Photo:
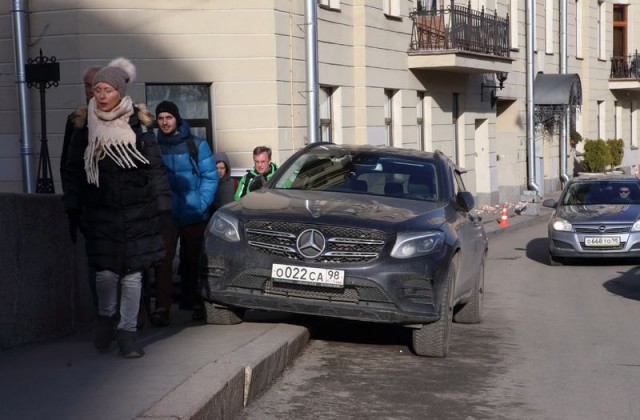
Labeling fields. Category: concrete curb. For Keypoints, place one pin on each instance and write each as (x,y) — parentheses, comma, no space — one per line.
(221,389)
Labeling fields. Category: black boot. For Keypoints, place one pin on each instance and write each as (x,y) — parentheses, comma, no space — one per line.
(105,332)
(127,345)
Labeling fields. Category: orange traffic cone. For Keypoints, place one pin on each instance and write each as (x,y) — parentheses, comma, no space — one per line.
(504,221)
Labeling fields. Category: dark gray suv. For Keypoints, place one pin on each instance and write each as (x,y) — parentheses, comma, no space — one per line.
(356,232)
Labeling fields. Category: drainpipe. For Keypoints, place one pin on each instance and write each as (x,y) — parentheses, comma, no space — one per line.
(20,22)
(311,22)
(531,147)
(564,123)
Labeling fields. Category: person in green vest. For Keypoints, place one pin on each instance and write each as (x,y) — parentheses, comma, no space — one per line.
(261,172)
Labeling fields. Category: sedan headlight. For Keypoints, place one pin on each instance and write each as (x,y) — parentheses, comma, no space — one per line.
(225,226)
(636,226)
(560,224)
(415,244)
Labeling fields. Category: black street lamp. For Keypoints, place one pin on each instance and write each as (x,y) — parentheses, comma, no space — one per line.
(43,72)
(501,76)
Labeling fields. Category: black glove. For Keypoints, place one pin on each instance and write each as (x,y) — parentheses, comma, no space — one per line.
(75,223)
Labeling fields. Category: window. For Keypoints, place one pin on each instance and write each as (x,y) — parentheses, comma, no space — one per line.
(193,100)
(388,116)
(601,30)
(513,23)
(617,117)
(620,31)
(325,96)
(430,5)
(633,111)
(329,4)
(579,33)
(601,120)
(455,115)
(420,121)
(548,37)
(391,7)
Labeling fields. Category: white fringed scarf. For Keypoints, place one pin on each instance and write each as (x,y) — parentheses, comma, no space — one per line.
(110,135)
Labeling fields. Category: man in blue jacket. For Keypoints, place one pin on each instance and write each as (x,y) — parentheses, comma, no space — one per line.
(193,180)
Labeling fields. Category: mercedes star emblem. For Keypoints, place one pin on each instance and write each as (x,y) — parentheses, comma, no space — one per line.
(311,243)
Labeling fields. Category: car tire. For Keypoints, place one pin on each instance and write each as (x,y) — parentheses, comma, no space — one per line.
(432,340)
(471,312)
(555,261)
(220,315)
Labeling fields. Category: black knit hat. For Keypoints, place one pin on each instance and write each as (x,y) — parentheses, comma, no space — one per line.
(171,108)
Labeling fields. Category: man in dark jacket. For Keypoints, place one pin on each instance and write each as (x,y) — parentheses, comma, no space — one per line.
(194,181)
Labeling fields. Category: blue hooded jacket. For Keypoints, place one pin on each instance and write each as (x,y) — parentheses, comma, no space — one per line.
(193,184)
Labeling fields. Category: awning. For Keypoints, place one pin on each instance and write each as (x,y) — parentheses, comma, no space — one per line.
(557,89)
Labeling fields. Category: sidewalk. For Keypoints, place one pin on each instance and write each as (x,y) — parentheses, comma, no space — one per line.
(190,370)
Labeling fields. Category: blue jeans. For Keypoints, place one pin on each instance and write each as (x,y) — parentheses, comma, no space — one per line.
(130,291)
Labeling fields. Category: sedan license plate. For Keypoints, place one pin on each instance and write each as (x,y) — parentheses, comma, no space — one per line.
(307,275)
(602,241)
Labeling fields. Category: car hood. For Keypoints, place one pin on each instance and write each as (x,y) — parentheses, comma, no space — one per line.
(600,213)
(332,207)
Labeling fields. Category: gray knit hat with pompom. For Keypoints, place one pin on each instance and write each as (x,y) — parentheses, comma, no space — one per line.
(117,73)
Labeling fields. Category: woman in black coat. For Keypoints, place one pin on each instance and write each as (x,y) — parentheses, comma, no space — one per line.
(115,189)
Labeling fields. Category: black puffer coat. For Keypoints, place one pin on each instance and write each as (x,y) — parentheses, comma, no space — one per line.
(120,218)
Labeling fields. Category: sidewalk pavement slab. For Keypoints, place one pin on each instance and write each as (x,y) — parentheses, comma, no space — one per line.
(190,370)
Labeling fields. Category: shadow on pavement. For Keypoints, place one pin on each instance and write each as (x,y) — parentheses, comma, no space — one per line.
(626,285)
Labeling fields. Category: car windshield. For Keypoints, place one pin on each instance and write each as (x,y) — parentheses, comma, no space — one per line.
(601,192)
(362,173)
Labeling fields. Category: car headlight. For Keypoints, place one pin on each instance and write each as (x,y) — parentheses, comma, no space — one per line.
(560,224)
(414,244)
(636,226)
(225,226)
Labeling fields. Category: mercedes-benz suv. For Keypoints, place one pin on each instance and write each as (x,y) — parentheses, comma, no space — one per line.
(356,232)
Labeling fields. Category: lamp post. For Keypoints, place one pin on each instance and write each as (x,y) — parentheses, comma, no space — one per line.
(43,72)
(502,77)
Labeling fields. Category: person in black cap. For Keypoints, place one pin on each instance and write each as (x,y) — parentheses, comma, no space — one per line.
(194,181)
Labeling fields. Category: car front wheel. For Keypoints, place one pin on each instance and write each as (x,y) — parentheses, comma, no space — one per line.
(220,315)
(432,340)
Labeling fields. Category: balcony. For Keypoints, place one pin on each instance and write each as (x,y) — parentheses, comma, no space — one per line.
(459,39)
(625,72)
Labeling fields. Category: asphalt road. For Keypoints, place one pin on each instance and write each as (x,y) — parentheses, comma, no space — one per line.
(556,343)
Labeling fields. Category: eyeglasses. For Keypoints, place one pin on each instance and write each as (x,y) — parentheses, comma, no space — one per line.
(624,191)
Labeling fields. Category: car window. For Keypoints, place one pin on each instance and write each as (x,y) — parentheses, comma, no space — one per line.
(362,173)
(601,192)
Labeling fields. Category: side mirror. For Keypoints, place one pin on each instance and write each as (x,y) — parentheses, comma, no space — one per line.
(465,200)
(550,202)
(257,183)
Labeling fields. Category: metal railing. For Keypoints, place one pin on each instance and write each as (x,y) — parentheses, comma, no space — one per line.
(461,28)
(626,67)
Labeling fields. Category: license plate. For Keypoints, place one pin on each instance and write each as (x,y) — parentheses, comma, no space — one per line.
(307,275)
(602,241)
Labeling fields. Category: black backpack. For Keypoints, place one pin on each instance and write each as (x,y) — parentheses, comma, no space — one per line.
(193,154)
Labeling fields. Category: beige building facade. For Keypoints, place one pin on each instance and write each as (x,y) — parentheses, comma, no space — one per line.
(408,73)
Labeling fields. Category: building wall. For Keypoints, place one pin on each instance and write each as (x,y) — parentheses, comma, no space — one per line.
(253,56)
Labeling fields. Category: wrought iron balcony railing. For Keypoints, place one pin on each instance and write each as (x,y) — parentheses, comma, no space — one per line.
(460,28)
(626,67)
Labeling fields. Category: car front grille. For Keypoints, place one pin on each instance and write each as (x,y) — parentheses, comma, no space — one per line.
(358,290)
(607,229)
(343,244)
